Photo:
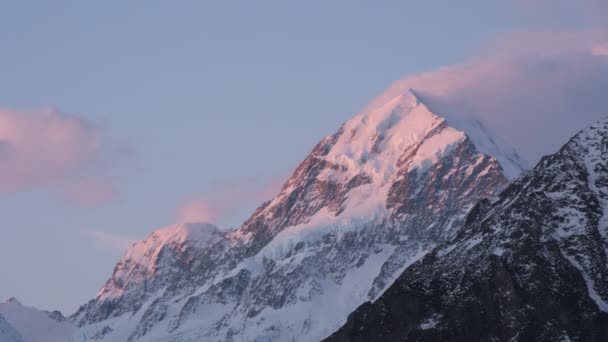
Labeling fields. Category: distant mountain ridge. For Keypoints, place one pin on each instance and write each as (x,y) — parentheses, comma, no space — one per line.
(34,325)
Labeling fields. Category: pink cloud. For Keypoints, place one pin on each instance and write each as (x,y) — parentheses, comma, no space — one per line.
(42,146)
(600,50)
(202,209)
(108,240)
(545,43)
(47,148)
(228,202)
(533,89)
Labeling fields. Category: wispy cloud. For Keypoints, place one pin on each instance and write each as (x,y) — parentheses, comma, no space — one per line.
(228,202)
(108,240)
(600,50)
(48,148)
(534,89)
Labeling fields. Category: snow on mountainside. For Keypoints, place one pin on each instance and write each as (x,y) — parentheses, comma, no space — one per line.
(391,184)
(7,332)
(529,265)
(158,255)
(34,325)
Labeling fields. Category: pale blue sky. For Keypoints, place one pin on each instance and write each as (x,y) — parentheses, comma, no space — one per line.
(202,95)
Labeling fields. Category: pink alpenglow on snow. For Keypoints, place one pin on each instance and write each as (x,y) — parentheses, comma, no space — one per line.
(144,258)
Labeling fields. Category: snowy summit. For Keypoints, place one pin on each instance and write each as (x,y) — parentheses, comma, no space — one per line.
(394,182)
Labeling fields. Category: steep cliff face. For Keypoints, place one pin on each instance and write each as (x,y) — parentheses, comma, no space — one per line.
(393,183)
(529,265)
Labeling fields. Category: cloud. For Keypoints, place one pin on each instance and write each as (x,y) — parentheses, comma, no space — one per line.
(47,148)
(535,90)
(108,240)
(548,43)
(600,50)
(228,202)
(42,146)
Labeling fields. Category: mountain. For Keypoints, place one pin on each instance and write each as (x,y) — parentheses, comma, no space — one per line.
(7,332)
(393,183)
(531,264)
(34,325)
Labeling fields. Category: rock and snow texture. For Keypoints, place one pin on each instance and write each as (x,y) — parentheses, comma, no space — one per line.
(157,257)
(393,183)
(7,332)
(33,325)
(529,265)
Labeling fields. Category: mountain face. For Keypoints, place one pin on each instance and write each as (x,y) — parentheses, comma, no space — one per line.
(7,332)
(32,325)
(393,183)
(529,265)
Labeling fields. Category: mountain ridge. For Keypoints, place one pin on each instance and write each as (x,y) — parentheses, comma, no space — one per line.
(369,200)
(35,325)
(529,264)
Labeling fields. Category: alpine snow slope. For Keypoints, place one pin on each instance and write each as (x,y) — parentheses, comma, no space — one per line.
(393,183)
(7,332)
(33,325)
(529,265)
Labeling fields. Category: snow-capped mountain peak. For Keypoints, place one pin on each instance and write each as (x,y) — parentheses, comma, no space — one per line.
(358,164)
(372,152)
(389,106)
(373,141)
(13,300)
(388,186)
